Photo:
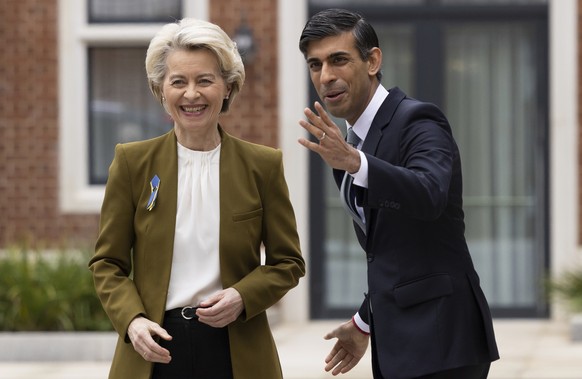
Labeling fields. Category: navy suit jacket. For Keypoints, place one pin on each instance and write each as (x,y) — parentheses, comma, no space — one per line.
(428,312)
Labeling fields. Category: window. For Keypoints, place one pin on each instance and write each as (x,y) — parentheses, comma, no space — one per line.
(486,66)
(121,107)
(496,103)
(104,96)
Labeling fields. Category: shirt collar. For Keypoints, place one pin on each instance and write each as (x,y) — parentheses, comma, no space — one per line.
(363,123)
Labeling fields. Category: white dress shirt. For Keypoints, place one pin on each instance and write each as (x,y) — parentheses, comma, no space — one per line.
(361,127)
(195,264)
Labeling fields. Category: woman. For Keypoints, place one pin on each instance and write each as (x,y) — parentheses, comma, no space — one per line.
(177,263)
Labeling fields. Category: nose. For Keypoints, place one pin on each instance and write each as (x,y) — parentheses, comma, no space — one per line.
(190,92)
(327,73)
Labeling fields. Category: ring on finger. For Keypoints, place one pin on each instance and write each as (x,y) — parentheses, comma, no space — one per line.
(322,137)
(145,355)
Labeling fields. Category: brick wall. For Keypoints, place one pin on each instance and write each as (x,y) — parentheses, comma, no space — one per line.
(29,129)
(253,115)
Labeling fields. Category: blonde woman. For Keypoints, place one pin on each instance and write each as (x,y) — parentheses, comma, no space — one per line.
(177,264)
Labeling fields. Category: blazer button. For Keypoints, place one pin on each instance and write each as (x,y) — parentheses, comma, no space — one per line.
(370,258)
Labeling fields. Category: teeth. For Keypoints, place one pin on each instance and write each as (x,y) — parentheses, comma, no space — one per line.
(194,109)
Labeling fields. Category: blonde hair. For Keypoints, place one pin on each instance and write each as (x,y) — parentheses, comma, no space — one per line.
(188,34)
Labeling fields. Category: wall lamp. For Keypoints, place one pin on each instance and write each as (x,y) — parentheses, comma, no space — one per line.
(245,42)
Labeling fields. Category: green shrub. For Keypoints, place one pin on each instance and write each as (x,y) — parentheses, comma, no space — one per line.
(48,292)
(568,287)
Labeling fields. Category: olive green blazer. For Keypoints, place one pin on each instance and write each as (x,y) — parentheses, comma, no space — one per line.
(133,254)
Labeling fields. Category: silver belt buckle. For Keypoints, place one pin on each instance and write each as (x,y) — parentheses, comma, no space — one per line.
(186,309)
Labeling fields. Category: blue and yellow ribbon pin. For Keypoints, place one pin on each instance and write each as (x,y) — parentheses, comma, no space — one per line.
(155,186)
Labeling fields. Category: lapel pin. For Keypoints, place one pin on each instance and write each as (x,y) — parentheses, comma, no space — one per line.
(154,186)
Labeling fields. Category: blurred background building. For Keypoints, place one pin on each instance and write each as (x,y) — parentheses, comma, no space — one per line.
(72,85)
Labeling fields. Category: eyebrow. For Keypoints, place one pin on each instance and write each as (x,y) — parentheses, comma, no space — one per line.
(202,75)
(330,56)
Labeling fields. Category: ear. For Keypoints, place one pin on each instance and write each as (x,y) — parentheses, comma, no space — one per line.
(374,61)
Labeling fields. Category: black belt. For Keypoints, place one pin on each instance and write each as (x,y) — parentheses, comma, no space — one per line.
(187,313)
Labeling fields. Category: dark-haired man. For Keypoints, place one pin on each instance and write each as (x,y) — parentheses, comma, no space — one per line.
(401,180)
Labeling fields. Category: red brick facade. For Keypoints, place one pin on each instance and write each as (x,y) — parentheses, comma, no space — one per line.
(29,120)
(254,112)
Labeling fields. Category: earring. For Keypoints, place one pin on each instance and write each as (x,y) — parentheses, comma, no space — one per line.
(163,99)
(226,97)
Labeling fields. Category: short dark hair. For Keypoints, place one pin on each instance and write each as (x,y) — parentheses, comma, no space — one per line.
(333,22)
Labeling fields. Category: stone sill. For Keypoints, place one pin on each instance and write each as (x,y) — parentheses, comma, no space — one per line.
(57,346)
(576,327)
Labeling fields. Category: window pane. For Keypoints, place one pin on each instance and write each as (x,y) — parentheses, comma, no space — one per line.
(493,2)
(350,3)
(121,106)
(363,3)
(493,96)
(398,61)
(134,10)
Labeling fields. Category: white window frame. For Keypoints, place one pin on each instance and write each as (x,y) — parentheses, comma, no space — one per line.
(76,195)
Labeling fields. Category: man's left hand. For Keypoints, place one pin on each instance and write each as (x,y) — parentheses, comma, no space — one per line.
(348,350)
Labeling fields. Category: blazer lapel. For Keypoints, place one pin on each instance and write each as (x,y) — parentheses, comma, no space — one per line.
(382,120)
(162,217)
(167,170)
(156,226)
(228,173)
(229,180)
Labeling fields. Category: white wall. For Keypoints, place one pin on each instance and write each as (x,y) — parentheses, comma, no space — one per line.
(564,249)
(293,92)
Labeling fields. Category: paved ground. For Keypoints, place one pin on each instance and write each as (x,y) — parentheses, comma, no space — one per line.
(530,349)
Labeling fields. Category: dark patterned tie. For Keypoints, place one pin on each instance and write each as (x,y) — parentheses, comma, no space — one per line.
(346,194)
(353,138)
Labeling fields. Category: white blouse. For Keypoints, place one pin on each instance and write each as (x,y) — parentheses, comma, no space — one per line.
(195,263)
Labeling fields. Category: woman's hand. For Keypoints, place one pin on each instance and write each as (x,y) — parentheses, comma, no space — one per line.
(140,333)
(221,309)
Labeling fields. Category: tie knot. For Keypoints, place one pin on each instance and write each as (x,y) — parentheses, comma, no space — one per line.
(352,138)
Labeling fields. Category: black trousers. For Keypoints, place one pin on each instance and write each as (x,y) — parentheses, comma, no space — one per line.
(466,372)
(198,351)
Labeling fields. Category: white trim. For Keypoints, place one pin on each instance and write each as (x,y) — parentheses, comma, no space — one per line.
(293,92)
(564,99)
(129,34)
(196,8)
(75,34)
(74,193)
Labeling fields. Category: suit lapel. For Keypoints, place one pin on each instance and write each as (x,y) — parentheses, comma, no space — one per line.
(167,170)
(228,173)
(157,226)
(229,180)
(382,120)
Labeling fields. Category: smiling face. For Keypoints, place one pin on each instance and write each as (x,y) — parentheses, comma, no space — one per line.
(194,91)
(344,82)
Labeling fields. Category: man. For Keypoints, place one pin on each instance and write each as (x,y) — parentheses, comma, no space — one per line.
(425,310)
